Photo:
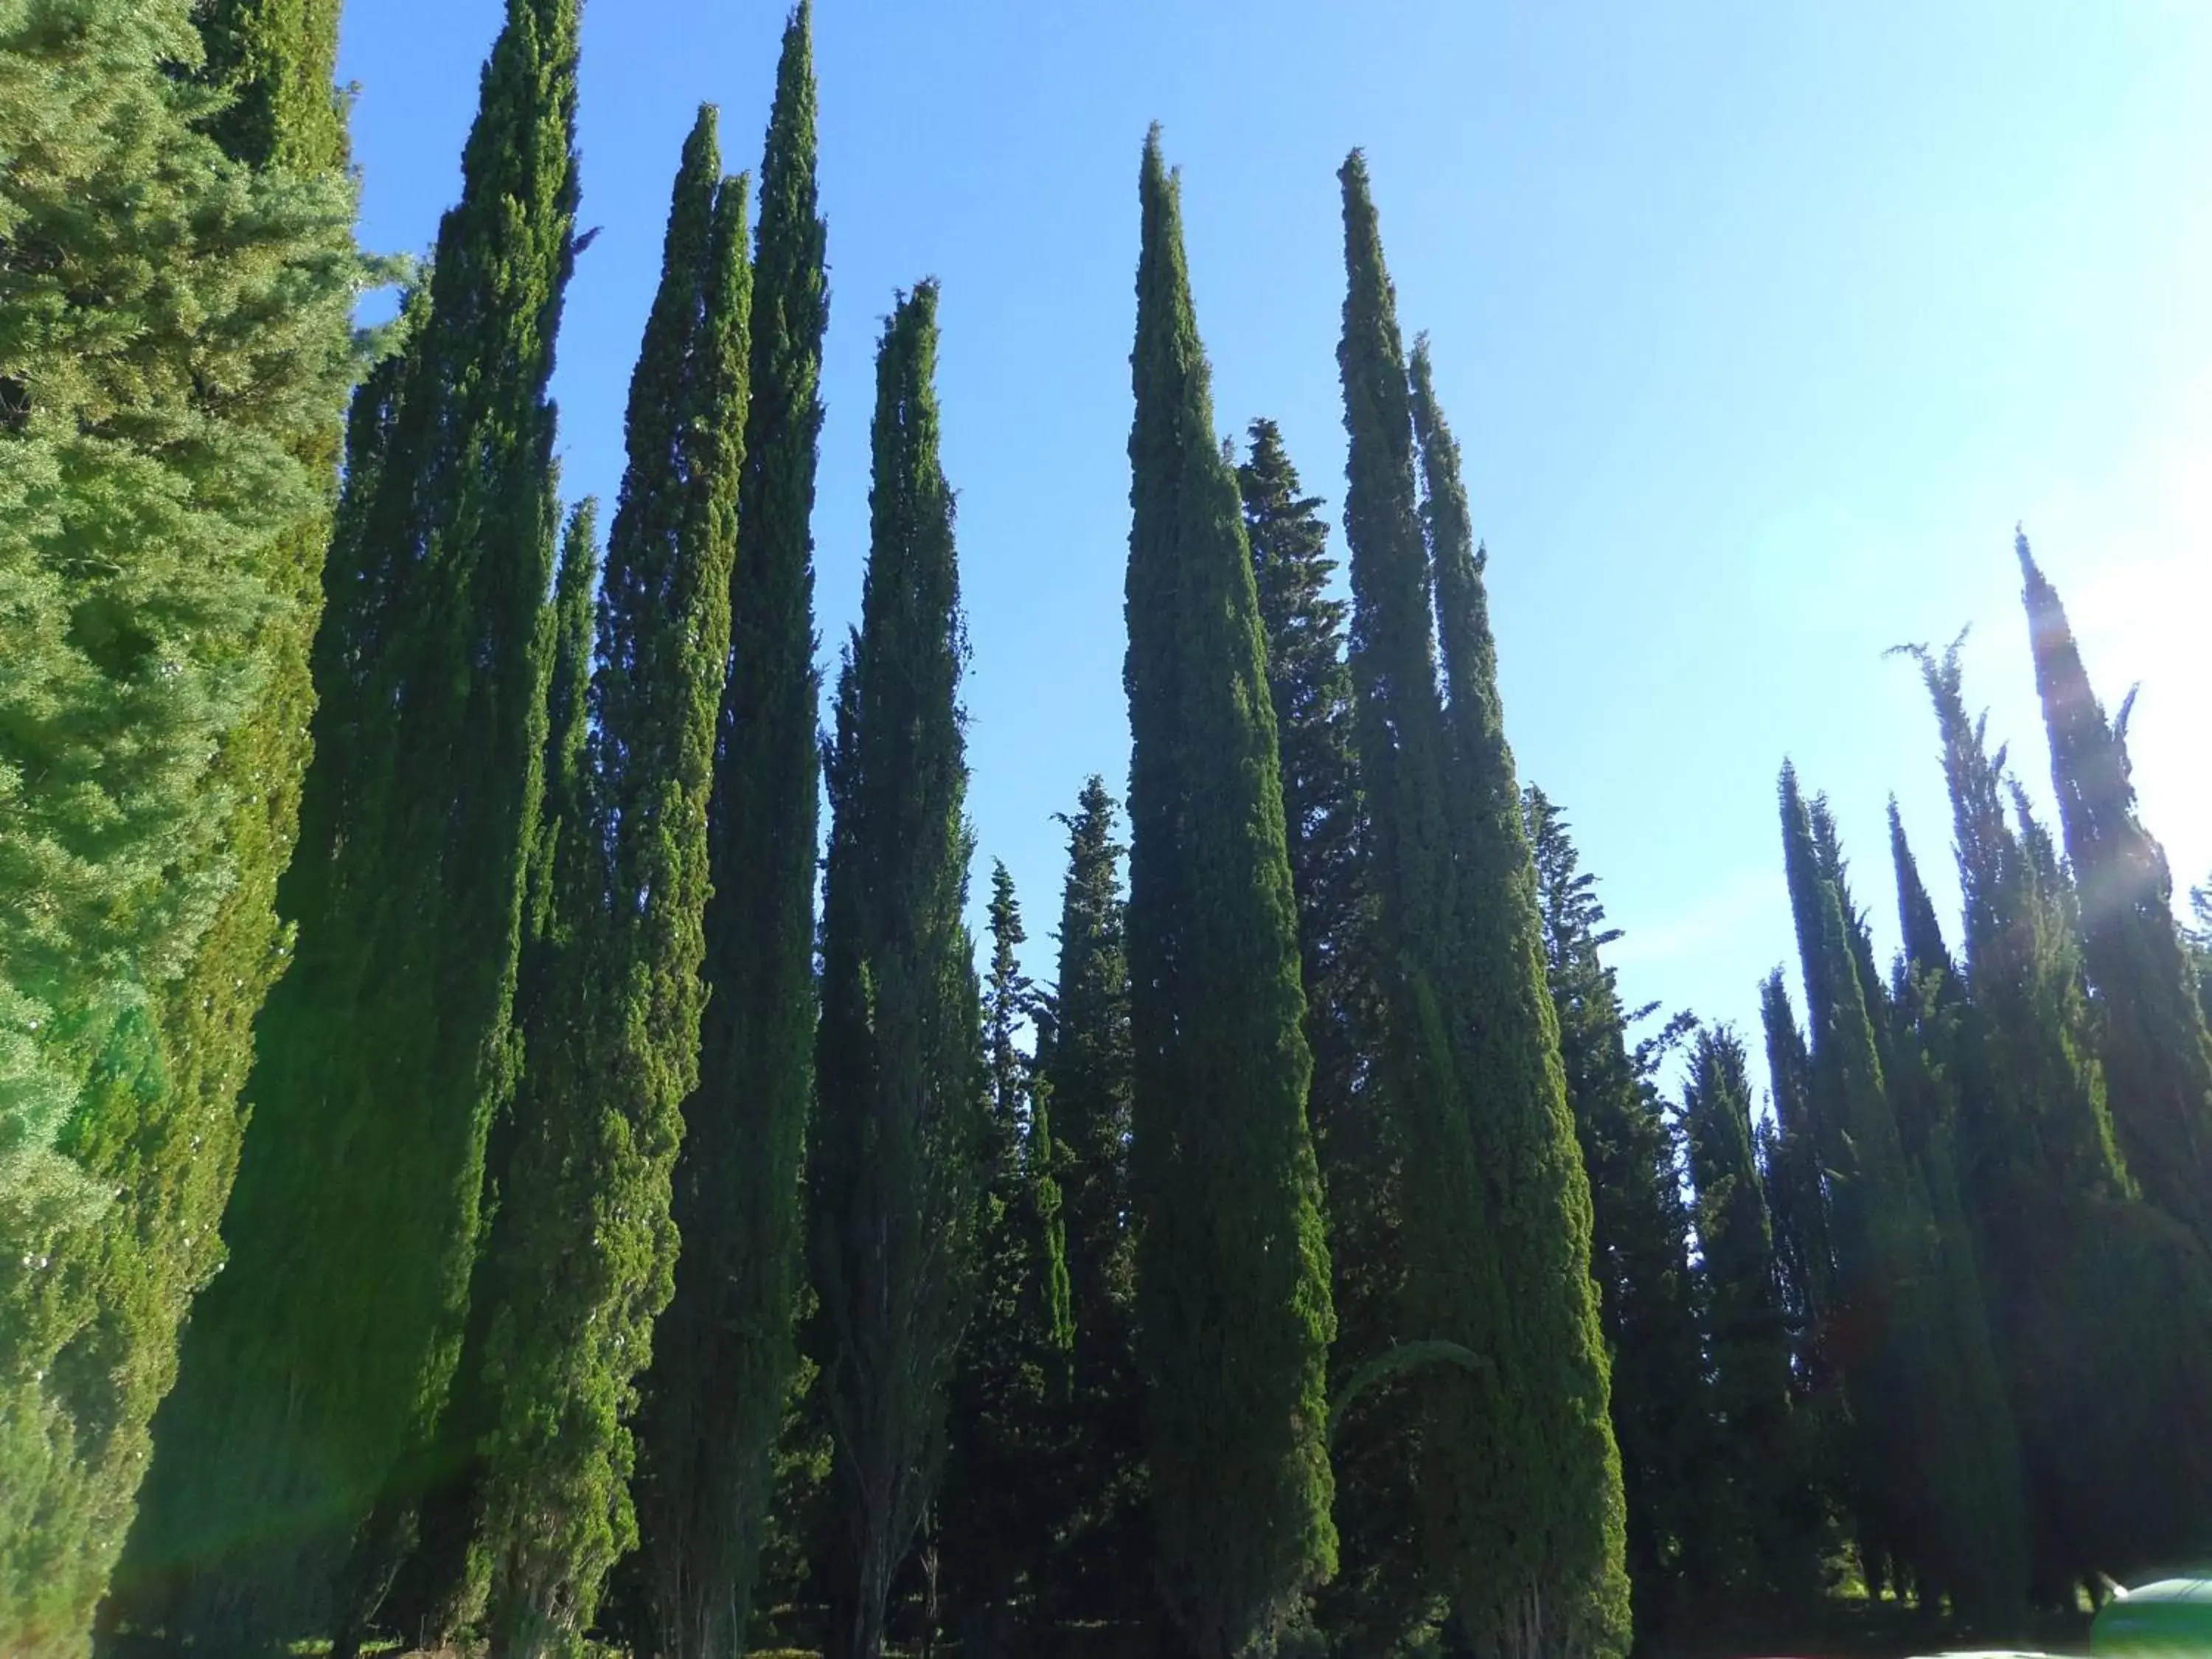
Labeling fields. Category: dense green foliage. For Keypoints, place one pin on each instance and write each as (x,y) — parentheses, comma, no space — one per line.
(317,1367)
(1377,1596)
(583,1251)
(1233,1266)
(1085,1057)
(1000,1515)
(176,341)
(1760,1517)
(894,1178)
(1319,1267)
(723,1353)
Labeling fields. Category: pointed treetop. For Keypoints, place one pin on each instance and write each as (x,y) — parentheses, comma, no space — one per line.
(1922,934)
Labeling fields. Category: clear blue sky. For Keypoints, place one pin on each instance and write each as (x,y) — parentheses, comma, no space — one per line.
(1761,326)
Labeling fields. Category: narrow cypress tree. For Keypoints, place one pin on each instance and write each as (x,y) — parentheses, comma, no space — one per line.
(155,474)
(2150,1028)
(1378,1594)
(319,1364)
(1088,1071)
(584,1249)
(1765,1511)
(1934,1442)
(1232,1266)
(1002,1505)
(1562,1581)
(723,1355)
(894,1183)
(1639,1243)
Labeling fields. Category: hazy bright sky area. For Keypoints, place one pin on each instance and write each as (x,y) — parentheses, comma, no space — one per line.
(1761,326)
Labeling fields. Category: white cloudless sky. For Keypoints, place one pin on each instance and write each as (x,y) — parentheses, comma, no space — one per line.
(1761,326)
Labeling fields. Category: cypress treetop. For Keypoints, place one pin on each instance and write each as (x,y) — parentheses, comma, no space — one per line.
(1233,1266)
(724,1353)
(894,1182)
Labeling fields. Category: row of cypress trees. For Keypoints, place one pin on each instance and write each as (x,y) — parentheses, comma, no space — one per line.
(1325,1277)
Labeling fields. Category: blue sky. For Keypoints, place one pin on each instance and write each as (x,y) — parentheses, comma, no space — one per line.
(1761,326)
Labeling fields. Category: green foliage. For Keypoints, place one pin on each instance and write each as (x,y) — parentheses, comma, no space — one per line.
(1000,1519)
(1519,1479)
(1377,1593)
(176,332)
(1760,1502)
(1640,1246)
(1933,1442)
(1232,1265)
(584,1249)
(1578,1595)
(894,1178)
(1083,1051)
(2149,1026)
(724,1353)
(317,1367)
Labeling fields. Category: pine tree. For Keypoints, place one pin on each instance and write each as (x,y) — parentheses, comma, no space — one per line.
(894,1182)
(724,1351)
(1536,1528)
(1935,1449)
(1378,1594)
(157,465)
(1087,1069)
(315,1369)
(583,1248)
(2150,1029)
(1002,1507)
(1639,1245)
(1232,1265)
(1761,1509)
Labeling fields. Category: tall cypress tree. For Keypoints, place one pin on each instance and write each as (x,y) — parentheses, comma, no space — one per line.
(1639,1243)
(319,1363)
(2150,1028)
(1087,1068)
(1377,1593)
(723,1354)
(1562,1578)
(583,1250)
(1232,1266)
(1762,1509)
(165,449)
(1000,1513)
(893,1178)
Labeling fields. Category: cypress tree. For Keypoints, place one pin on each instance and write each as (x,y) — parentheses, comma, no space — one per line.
(724,1351)
(1569,1585)
(1639,1244)
(1377,1596)
(1087,1069)
(2150,1029)
(319,1363)
(1763,1509)
(893,1178)
(584,1251)
(1934,1438)
(1001,1509)
(157,471)
(1233,1266)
